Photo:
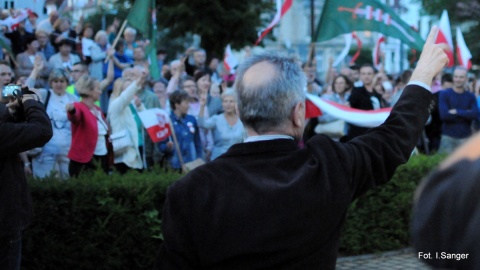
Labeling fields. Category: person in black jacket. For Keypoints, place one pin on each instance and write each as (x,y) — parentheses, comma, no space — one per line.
(268,204)
(364,98)
(446,214)
(24,125)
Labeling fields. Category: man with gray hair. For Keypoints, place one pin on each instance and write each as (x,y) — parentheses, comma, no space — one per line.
(266,203)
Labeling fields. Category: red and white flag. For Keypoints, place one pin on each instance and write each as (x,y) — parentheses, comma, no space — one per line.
(12,22)
(463,53)
(445,36)
(362,118)
(229,60)
(376,51)
(359,48)
(348,43)
(281,10)
(157,123)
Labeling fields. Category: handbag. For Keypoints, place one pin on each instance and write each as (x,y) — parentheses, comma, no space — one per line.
(34,152)
(334,129)
(120,141)
(189,166)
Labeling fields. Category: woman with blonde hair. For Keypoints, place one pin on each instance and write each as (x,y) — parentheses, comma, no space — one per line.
(123,119)
(226,127)
(89,129)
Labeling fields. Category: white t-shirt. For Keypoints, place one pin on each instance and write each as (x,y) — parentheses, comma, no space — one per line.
(62,133)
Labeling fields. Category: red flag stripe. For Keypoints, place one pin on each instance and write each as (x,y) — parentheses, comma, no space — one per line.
(311,110)
(280,12)
(376,51)
(463,53)
(445,36)
(363,118)
(359,48)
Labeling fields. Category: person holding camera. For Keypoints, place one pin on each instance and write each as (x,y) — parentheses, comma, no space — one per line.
(24,125)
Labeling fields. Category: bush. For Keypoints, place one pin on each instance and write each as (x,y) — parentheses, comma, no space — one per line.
(113,222)
(380,219)
(96,222)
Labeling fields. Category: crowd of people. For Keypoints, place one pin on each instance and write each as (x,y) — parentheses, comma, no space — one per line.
(93,88)
(456,111)
(278,195)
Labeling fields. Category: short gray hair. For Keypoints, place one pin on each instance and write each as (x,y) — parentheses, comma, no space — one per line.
(99,34)
(228,93)
(130,30)
(268,105)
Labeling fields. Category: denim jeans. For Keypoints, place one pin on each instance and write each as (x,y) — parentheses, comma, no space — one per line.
(448,144)
(10,250)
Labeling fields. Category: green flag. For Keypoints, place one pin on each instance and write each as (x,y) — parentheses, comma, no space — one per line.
(138,17)
(151,49)
(141,16)
(341,17)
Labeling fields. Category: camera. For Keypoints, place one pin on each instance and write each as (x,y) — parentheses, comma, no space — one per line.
(11,91)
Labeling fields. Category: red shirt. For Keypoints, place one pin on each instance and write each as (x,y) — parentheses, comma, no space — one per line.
(84,132)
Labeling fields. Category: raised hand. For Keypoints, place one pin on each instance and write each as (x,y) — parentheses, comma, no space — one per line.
(69,107)
(142,79)
(111,52)
(38,63)
(432,60)
(203,99)
(137,100)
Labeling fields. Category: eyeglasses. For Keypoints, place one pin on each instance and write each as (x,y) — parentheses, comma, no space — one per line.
(188,85)
(76,70)
(5,74)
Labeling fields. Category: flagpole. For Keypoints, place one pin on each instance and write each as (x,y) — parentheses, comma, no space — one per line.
(311,55)
(117,38)
(312,20)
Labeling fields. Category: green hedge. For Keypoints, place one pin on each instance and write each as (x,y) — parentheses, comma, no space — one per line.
(100,222)
(96,222)
(380,219)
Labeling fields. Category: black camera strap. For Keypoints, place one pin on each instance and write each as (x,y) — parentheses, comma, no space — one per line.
(47,99)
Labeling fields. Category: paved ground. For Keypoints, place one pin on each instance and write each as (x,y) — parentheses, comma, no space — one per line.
(400,259)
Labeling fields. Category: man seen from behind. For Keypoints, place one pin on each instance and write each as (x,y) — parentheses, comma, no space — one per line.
(268,204)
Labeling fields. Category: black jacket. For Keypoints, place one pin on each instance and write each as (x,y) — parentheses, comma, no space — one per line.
(360,99)
(272,205)
(15,200)
(446,217)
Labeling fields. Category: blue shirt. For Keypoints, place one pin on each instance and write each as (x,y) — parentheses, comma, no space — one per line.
(457,125)
(224,135)
(188,137)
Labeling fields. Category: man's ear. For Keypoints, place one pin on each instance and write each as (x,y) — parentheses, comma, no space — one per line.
(298,115)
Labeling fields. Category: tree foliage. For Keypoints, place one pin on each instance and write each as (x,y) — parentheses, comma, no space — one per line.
(465,12)
(218,22)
